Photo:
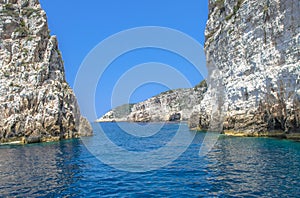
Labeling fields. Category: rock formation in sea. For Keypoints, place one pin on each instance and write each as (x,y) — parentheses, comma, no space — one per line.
(36,103)
(254,48)
(173,105)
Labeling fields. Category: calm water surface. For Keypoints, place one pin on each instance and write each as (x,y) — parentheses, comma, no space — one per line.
(253,167)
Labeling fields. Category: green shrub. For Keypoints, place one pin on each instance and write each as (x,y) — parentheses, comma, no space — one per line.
(235,10)
(202,84)
(227,18)
(166,92)
(23,31)
(22,23)
(28,11)
(220,3)
(9,6)
(230,31)
(6,74)
(58,52)
(122,111)
(9,10)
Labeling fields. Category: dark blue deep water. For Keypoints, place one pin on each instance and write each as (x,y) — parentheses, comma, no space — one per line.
(253,167)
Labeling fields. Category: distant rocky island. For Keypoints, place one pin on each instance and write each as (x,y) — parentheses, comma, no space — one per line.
(173,105)
(253,59)
(253,86)
(36,103)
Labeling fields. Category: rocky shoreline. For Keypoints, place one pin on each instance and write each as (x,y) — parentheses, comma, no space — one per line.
(173,105)
(253,50)
(253,87)
(36,102)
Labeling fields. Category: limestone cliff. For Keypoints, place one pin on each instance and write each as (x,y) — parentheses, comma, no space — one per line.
(36,103)
(254,47)
(173,105)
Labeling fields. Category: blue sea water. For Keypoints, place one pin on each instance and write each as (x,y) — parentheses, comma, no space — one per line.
(242,167)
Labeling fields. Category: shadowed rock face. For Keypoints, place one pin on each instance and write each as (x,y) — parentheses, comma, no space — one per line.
(173,105)
(36,103)
(254,47)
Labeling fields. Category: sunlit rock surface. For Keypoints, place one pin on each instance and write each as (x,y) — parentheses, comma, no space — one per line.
(36,103)
(254,47)
(173,105)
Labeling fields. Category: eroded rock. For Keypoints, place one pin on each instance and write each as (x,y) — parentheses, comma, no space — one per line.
(254,46)
(173,105)
(36,103)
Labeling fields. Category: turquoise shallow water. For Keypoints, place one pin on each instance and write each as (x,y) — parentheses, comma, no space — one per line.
(253,167)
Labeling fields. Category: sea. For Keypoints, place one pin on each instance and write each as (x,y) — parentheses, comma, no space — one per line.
(129,160)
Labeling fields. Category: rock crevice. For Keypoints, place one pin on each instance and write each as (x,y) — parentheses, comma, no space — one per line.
(36,102)
(254,46)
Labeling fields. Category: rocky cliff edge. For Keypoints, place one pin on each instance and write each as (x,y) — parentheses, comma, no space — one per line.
(36,103)
(254,47)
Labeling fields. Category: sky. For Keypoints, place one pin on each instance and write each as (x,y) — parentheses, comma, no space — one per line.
(81,25)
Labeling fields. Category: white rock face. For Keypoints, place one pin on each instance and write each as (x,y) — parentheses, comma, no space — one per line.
(254,47)
(174,105)
(36,103)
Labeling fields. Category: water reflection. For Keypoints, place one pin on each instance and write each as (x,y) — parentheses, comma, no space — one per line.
(254,167)
(38,169)
(243,167)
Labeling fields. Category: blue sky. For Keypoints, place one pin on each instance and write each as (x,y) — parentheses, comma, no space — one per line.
(81,25)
